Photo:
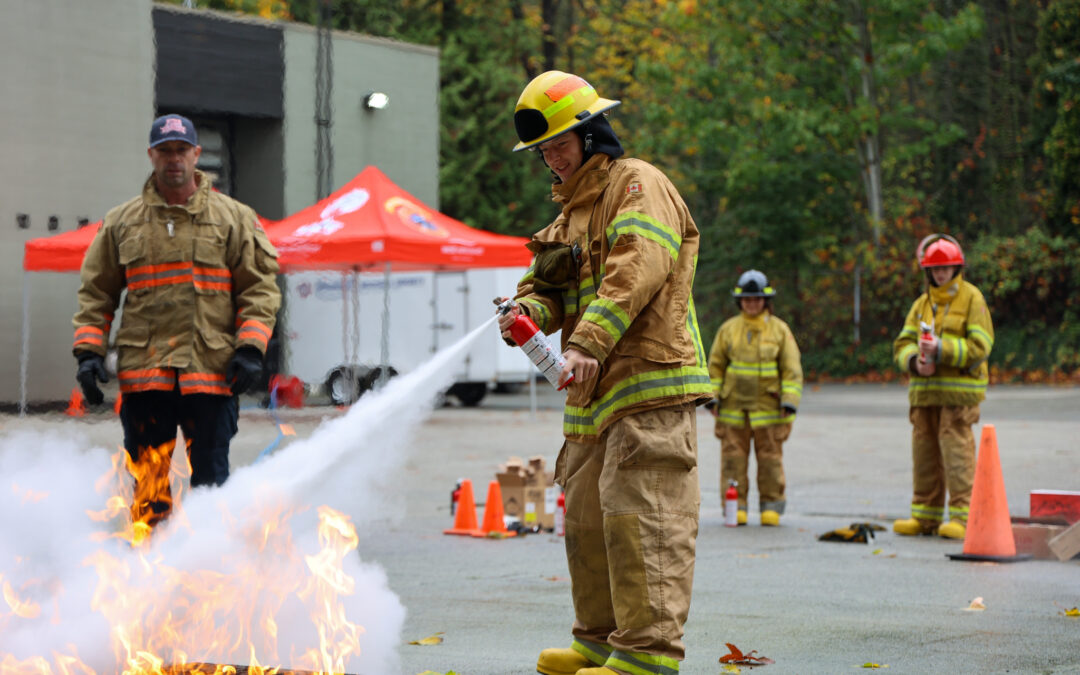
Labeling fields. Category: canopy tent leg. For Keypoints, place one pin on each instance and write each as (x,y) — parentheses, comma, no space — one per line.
(24,355)
(384,349)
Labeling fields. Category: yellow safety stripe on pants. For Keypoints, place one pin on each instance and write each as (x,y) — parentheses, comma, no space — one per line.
(594,651)
(633,222)
(958,512)
(924,512)
(954,384)
(642,664)
(609,316)
(904,356)
(635,389)
(537,312)
(754,368)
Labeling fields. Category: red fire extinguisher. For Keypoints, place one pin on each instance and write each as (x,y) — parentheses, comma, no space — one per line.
(536,346)
(926,341)
(731,505)
(560,515)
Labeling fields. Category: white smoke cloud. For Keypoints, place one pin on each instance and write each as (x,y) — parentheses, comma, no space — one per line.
(48,544)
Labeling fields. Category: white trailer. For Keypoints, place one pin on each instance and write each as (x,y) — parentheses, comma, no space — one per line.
(334,339)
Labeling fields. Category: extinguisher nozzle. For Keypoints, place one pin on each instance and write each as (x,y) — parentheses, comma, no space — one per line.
(564,385)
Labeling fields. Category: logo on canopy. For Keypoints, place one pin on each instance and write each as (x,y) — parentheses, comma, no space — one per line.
(415,217)
(351,201)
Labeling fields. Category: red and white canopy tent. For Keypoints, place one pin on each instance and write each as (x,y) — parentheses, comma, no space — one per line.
(367,224)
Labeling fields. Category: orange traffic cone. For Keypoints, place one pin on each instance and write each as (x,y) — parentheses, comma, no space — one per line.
(494,525)
(77,404)
(465,518)
(989,533)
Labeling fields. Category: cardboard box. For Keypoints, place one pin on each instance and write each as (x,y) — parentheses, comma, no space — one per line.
(527,491)
(1033,536)
(1059,504)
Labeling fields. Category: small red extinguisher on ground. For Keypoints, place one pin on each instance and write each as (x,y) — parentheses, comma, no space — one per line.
(536,346)
(731,505)
(560,515)
(455,494)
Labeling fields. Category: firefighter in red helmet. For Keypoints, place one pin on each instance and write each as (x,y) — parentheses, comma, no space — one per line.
(944,346)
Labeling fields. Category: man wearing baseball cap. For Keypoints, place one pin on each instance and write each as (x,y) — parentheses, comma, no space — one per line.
(201,303)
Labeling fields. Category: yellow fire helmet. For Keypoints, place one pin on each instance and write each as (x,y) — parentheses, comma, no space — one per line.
(555,102)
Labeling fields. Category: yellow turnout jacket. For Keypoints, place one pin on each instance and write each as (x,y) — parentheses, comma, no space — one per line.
(756,368)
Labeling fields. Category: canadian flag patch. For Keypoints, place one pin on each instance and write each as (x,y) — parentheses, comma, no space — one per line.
(633,188)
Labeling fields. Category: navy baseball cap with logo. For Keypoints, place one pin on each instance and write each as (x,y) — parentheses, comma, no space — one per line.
(173,128)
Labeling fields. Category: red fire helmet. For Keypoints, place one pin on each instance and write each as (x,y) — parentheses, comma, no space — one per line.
(942,252)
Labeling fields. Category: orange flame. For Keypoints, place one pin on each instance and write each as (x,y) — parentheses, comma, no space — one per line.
(158,614)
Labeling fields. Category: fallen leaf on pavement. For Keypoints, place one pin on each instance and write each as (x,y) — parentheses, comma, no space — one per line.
(975,606)
(730,668)
(874,665)
(747,659)
(435,639)
(1075,611)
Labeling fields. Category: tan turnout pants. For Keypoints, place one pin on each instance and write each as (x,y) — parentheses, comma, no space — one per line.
(735,462)
(632,502)
(943,457)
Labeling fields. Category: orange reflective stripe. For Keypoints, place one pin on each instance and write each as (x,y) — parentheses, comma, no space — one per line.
(154,379)
(213,278)
(254,330)
(565,86)
(148,276)
(204,383)
(89,335)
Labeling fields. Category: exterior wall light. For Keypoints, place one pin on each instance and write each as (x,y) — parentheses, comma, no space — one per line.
(376,100)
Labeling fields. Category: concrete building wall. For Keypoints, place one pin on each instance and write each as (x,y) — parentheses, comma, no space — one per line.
(402,139)
(77,87)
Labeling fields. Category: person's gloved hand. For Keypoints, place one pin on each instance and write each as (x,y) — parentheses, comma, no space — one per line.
(244,369)
(788,410)
(91,371)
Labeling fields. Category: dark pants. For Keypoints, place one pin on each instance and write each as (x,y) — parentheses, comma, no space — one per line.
(150,418)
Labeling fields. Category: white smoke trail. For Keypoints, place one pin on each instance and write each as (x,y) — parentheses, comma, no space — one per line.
(46,538)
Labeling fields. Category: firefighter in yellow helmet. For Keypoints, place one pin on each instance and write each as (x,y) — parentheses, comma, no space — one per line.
(614,273)
(944,345)
(756,370)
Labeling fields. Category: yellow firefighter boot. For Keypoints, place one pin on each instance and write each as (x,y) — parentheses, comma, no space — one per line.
(952,530)
(770,518)
(561,661)
(740,517)
(909,527)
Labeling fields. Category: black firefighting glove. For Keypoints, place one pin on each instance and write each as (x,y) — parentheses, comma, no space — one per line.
(788,410)
(91,371)
(244,369)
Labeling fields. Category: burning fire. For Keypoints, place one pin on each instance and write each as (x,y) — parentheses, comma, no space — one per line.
(166,620)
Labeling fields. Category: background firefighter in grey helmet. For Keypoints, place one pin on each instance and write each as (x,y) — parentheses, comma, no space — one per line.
(756,375)
(614,272)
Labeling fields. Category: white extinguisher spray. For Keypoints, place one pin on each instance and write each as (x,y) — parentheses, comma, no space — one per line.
(536,346)
(731,505)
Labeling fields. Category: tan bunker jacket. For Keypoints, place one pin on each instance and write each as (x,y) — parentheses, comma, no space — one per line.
(614,271)
(200,280)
